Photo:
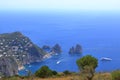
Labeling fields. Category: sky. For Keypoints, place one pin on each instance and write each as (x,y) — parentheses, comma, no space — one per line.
(78,5)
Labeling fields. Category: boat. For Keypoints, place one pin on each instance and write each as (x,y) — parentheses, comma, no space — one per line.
(58,62)
(105,59)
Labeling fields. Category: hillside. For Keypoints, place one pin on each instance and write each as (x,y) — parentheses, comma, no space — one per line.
(17,49)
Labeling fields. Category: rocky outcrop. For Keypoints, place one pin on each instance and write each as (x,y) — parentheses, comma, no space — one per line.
(56,49)
(19,47)
(76,50)
(45,47)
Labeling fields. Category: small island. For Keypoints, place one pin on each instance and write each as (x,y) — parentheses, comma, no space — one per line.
(76,50)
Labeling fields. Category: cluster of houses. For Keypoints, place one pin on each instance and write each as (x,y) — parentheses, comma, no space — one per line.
(15,47)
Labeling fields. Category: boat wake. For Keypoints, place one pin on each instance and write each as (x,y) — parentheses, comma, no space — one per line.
(105,59)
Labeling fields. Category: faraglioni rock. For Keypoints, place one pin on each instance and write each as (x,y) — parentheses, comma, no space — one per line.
(46,47)
(76,50)
(56,49)
(19,47)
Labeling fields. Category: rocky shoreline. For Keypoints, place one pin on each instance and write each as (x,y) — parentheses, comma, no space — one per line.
(21,68)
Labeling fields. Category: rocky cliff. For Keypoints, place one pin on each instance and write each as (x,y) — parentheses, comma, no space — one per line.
(8,66)
(16,45)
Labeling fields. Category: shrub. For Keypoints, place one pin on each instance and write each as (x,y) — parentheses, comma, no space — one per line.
(67,72)
(116,75)
(54,73)
(44,72)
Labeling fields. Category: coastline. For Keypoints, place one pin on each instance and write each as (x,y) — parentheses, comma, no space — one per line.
(47,56)
(21,68)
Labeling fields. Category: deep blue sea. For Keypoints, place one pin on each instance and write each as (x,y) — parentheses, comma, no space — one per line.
(98,33)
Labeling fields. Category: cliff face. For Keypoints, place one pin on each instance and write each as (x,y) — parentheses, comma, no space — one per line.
(8,66)
(20,48)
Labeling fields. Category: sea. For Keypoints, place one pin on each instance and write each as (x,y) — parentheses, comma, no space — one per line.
(97,32)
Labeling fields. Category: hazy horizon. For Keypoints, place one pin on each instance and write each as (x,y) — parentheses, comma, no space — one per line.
(60,6)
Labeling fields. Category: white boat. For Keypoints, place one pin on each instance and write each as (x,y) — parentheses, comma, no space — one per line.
(105,59)
(58,62)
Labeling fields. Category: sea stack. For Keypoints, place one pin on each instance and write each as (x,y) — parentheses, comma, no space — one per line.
(76,50)
(46,47)
(56,49)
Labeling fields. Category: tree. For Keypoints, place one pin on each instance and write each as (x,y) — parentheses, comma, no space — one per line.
(87,65)
(44,72)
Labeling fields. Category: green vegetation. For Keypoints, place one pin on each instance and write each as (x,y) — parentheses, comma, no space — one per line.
(44,72)
(87,65)
(67,72)
(116,75)
(54,72)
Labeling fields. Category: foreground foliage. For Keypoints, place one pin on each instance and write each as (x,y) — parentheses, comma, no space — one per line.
(44,72)
(98,76)
(87,65)
(116,75)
